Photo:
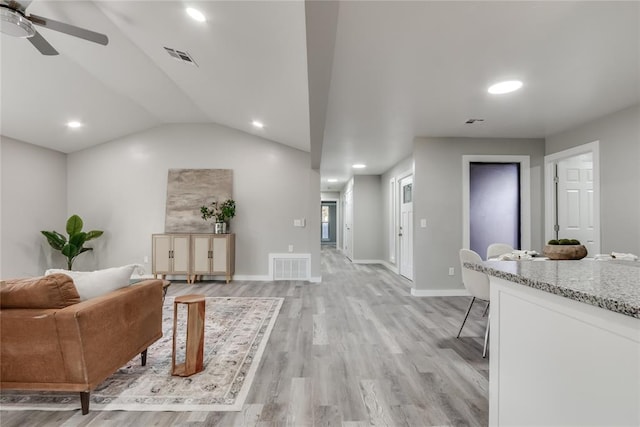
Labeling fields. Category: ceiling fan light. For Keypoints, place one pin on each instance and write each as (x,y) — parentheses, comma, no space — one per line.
(14,24)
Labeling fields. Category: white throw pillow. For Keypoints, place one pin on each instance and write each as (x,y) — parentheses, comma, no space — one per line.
(91,284)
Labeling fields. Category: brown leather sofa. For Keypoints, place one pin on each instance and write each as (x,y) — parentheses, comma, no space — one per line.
(49,340)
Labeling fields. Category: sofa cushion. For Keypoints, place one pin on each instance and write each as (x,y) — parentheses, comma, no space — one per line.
(91,284)
(53,291)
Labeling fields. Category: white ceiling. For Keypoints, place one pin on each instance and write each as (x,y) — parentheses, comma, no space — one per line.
(354,82)
(251,60)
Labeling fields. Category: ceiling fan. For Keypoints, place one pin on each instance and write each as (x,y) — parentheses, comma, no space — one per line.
(15,22)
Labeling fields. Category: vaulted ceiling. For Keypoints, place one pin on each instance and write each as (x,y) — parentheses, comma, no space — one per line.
(353,81)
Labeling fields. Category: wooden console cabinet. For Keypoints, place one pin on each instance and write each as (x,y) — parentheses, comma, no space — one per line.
(204,255)
(170,254)
(212,255)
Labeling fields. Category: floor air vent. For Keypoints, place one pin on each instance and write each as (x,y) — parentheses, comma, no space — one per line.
(290,266)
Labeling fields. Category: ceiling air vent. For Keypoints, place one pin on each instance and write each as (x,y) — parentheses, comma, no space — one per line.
(179,55)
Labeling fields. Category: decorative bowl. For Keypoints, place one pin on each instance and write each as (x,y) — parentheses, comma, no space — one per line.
(565,252)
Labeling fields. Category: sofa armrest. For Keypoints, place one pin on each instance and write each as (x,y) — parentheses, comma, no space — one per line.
(29,347)
(100,335)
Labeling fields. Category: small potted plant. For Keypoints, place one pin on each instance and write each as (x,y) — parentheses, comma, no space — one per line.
(222,212)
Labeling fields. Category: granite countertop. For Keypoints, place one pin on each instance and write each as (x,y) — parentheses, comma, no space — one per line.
(612,285)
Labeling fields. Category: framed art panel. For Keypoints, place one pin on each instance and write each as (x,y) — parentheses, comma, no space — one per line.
(187,191)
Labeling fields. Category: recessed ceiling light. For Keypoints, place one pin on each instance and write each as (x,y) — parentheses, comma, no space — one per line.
(74,124)
(257,124)
(196,15)
(359,166)
(332,180)
(505,87)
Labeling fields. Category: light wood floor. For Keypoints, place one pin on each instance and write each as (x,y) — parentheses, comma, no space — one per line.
(355,350)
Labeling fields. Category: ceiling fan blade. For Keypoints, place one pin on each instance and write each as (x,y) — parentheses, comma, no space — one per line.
(72,30)
(42,45)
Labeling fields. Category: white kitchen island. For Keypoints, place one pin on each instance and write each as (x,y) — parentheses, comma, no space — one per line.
(564,343)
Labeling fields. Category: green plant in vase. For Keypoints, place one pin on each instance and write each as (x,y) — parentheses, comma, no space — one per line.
(74,245)
(221,211)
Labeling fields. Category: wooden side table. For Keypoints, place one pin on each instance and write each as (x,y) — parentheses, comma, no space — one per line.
(194,345)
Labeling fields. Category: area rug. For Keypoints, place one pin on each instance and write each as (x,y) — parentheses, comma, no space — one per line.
(236,334)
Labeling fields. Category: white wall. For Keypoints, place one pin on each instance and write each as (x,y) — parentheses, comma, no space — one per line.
(438,199)
(33,198)
(367,218)
(120,187)
(330,195)
(619,136)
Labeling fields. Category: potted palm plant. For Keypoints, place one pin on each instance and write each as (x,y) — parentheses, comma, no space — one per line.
(74,245)
(222,212)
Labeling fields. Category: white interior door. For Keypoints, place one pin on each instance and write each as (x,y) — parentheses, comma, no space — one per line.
(348,224)
(572,196)
(406,227)
(575,200)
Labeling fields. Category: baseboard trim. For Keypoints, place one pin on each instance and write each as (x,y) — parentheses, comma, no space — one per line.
(252,277)
(366,261)
(267,278)
(439,292)
(386,264)
(392,268)
(243,277)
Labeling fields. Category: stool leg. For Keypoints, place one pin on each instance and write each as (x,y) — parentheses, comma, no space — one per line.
(201,313)
(175,326)
(486,338)
(195,338)
(465,316)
